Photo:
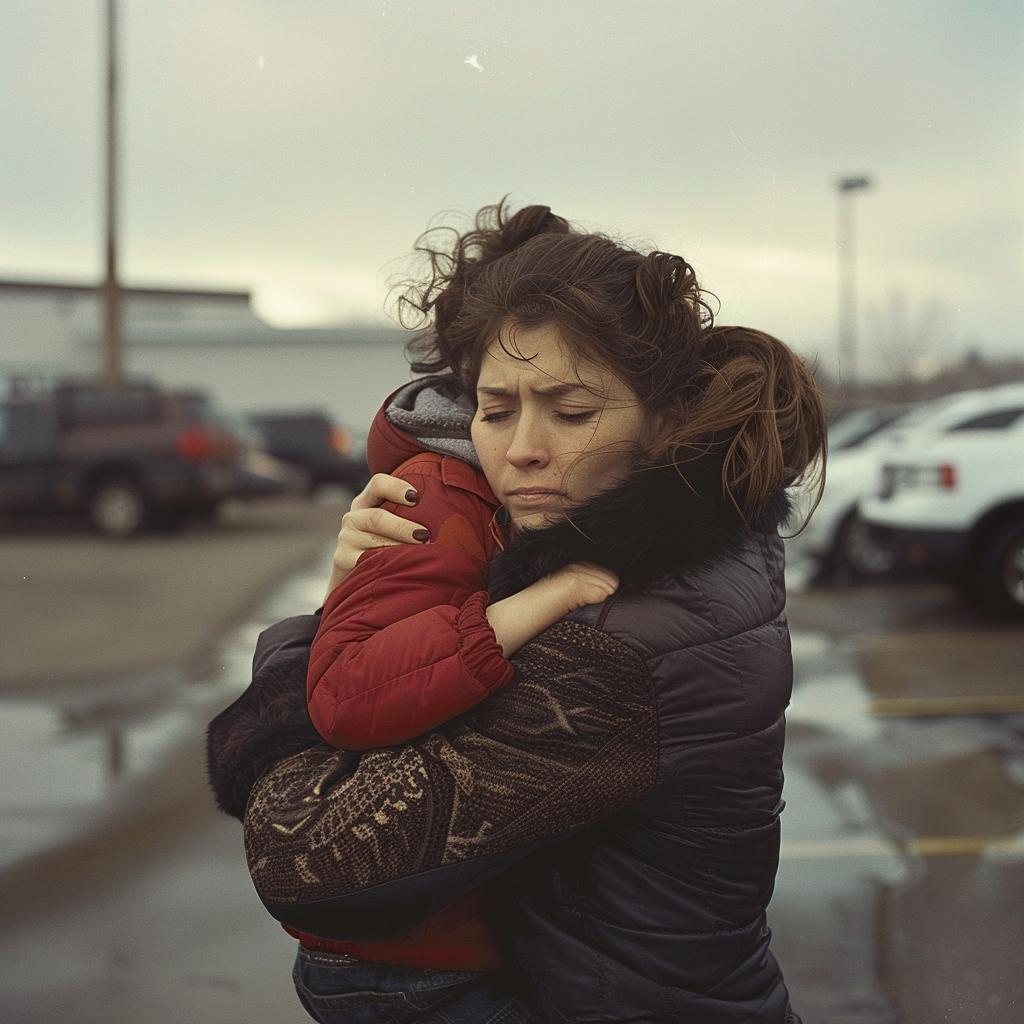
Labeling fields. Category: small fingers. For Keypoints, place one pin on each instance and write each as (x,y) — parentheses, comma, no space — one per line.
(383,488)
(596,574)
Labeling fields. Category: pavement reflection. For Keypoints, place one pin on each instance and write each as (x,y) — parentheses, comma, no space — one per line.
(903,854)
(72,759)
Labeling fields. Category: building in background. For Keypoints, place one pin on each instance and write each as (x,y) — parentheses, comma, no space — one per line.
(211,340)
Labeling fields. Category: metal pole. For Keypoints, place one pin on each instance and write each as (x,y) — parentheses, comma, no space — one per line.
(112,341)
(848,368)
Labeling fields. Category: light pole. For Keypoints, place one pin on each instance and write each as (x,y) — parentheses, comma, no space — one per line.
(112,340)
(848,369)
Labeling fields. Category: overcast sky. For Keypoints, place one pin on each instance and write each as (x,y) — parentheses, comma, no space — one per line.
(298,147)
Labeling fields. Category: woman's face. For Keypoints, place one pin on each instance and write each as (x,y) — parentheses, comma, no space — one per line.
(550,430)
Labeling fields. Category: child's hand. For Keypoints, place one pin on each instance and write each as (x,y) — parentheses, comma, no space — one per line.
(519,618)
(585,583)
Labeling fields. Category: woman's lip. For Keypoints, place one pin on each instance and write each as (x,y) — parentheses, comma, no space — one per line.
(533,496)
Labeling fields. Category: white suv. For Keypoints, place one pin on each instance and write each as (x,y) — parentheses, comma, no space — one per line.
(835,536)
(953,499)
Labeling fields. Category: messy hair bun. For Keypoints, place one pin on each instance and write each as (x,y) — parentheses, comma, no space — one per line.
(729,399)
(438,300)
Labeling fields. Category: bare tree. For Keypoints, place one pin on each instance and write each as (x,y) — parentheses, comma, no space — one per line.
(910,344)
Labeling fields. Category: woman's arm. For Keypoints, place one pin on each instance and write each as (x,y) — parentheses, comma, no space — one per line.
(362,850)
(366,525)
(269,721)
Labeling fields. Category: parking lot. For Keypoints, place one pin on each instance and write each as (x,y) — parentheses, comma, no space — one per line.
(903,842)
(123,893)
(902,867)
(76,606)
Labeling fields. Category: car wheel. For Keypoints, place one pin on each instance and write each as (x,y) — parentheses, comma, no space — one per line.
(117,506)
(1000,583)
(856,555)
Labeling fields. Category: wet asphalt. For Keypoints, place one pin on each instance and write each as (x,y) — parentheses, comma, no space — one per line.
(901,887)
(124,895)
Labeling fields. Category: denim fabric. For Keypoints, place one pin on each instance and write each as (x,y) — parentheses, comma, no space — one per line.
(340,989)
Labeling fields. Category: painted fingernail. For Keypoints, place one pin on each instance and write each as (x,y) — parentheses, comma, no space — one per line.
(412,496)
(421,535)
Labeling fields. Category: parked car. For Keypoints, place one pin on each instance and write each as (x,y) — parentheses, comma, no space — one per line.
(129,458)
(836,536)
(260,474)
(312,442)
(953,501)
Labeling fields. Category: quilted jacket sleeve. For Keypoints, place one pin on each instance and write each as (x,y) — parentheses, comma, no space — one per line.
(362,849)
(404,643)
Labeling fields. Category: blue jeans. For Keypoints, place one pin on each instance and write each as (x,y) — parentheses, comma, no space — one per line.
(340,989)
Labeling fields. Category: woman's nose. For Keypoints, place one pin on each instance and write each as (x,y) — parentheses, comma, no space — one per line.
(528,447)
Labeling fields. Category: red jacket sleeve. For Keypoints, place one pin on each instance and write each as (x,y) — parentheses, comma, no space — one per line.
(404,643)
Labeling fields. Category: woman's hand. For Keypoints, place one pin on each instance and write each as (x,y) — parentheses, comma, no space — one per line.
(366,525)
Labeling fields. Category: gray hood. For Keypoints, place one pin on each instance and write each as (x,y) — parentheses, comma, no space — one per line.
(437,412)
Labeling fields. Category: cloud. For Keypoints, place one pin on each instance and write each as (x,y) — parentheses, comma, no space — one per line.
(715,130)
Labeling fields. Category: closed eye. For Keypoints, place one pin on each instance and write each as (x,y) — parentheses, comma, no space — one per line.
(490,417)
(575,417)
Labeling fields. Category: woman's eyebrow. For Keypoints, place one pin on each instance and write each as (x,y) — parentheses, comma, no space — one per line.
(546,390)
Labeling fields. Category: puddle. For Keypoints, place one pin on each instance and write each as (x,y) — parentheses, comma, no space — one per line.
(66,761)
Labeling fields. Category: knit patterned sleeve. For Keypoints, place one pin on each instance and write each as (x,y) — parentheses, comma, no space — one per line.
(361,847)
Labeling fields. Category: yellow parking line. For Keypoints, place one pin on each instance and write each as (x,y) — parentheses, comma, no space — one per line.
(1006,705)
(936,846)
(919,642)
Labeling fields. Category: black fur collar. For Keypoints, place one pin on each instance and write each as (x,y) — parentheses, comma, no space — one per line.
(659,520)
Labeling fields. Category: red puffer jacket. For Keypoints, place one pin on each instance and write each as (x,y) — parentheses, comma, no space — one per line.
(404,645)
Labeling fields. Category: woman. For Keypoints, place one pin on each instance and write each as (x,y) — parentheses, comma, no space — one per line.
(623,791)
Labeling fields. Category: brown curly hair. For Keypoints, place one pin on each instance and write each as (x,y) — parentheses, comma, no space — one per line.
(734,394)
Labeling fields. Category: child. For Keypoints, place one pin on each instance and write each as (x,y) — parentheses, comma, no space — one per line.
(408,641)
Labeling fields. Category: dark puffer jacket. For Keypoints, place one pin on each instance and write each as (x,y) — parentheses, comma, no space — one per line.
(658,912)
(623,792)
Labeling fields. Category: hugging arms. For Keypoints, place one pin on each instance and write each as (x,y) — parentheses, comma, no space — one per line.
(360,847)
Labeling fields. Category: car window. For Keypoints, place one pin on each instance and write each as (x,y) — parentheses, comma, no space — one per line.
(21,422)
(199,406)
(853,428)
(1000,420)
(83,408)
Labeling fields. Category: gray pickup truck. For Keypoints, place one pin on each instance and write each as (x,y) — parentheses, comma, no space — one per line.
(130,458)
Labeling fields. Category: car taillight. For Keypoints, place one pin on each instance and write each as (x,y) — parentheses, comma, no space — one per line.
(340,440)
(196,444)
(904,478)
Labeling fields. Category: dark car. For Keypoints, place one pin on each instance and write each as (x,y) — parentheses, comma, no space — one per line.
(314,444)
(129,458)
